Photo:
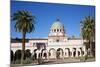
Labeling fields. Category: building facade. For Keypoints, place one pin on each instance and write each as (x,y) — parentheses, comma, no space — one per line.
(56,46)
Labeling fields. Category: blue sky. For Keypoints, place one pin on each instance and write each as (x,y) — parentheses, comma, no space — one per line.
(46,14)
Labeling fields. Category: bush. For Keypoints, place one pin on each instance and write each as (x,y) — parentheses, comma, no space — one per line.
(27,61)
(40,61)
(17,55)
(83,59)
(18,62)
(33,58)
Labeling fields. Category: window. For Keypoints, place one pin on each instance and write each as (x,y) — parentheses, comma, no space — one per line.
(54,30)
(65,53)
(57,30)
(57,40)
(49,54)
(60,30)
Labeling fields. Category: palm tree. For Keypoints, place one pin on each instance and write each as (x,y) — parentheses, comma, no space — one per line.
(88,31)
(24,23)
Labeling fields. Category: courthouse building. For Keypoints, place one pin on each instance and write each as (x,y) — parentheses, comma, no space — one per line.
(56,46)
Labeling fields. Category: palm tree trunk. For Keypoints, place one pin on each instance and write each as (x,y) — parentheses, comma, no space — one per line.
(90,46)
(23,47)
(91,53)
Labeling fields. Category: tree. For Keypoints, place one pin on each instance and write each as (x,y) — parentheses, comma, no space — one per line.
(88,31)
(24,23)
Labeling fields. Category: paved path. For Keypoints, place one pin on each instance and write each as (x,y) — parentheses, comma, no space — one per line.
(58,61)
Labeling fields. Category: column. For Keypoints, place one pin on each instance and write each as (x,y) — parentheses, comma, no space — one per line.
(80,53)
(76,53)
(37,55)
(66,54)
(55,55)
(63,55)
(72,53)
(42,55)
(85,51)
(47,55)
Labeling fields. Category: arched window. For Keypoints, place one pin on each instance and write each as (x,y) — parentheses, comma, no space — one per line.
(57,30)
(65,53)
(60,30)
(57,40)
(54,30)
(49,54)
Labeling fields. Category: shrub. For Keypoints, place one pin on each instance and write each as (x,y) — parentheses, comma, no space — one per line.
(40,61)
(83,59)
(17,61)
(27,61)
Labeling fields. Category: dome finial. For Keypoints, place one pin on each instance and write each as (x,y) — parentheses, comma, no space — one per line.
(57,19)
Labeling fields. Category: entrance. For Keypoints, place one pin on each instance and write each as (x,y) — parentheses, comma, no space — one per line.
(59,53)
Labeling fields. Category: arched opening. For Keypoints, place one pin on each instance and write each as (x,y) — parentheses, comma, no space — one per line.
(81,51)
(57,40)
(67,52)
(78,53)
(44,53)
(59,53)
(39,55)
(54,30)
(17,55)
(60,30)
(11,56)
(74,52)
(52,53)
(57,30)
(70,53)
(35,55)
(28,53)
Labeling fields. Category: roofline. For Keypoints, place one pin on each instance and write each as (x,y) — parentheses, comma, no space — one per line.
(74,38)
(39,39)
(57,36)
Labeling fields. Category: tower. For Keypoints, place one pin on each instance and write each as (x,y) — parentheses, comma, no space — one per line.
(57,33)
